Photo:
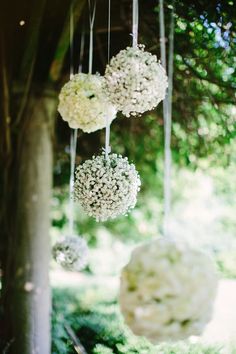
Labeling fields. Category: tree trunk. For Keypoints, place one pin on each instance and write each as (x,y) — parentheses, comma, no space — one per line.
(26,287)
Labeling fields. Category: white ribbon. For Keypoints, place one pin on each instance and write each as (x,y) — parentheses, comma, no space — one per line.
(135,23)
(71,41)
(107,138)
(92,13)
(81,53)
(73,144)
(74,132)
(167,112)
(108,123)
(109,31)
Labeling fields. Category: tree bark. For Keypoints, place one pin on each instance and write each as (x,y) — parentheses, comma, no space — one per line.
(26,290)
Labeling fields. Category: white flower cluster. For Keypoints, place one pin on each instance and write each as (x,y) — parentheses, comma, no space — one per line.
(135,81)
(83,103)
(106,188)
(167,291)
(71,253)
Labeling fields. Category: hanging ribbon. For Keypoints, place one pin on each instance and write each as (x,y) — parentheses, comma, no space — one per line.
(135,23)
(81,53)
(107,138)
(108,123)
(167,112)
(162,33)
(92,13)
(74,132)
(171,62)
(73,144)
(71,41)
(109,31)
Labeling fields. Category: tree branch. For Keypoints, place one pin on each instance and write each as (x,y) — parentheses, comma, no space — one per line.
(211,80)
(77,344)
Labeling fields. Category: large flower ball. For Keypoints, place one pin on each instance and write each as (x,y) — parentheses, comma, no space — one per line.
(71,253)
(83,103)
(106,188)
(167,291)
(135,81)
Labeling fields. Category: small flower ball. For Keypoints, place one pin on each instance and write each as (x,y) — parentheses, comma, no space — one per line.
(106,188)
(83,103)
(167,291)
(71,253)
(135,81)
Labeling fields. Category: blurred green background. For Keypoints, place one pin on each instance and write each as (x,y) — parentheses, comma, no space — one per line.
(203,185)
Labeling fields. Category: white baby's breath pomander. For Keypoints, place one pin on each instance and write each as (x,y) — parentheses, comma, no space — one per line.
(167,291)
(106,188)
(83,103)
(135,81)
(71,253)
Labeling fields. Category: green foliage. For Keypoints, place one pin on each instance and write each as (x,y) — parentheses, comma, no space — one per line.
(101,349)
(203,139)
(210,228)
(227,264)
(98,324)
(203,136)
(204,82)
(101,330)
(203,96)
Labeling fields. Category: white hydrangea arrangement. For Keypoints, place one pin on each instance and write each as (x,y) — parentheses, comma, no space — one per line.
(83,103)
(135,81)
(71,253)
(106,188)
(167,291)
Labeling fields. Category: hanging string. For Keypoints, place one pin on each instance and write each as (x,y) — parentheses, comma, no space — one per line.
(71,40)
(109,31)
(73,137)
(167,112)
(162,33)
(171,61)
(74,132)
(167,187)
(73,145)
(81,54)
(108,123)
(135,23)
(107,138)
(91,22)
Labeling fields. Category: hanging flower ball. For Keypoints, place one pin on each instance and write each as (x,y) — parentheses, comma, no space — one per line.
(167,291)
(135,81)
(71,253)
(106,188)
(83,103)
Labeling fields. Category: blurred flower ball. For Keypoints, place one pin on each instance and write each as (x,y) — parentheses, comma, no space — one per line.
(71,253)
(106,188)
(135,81)
(83,103)
(167,291)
